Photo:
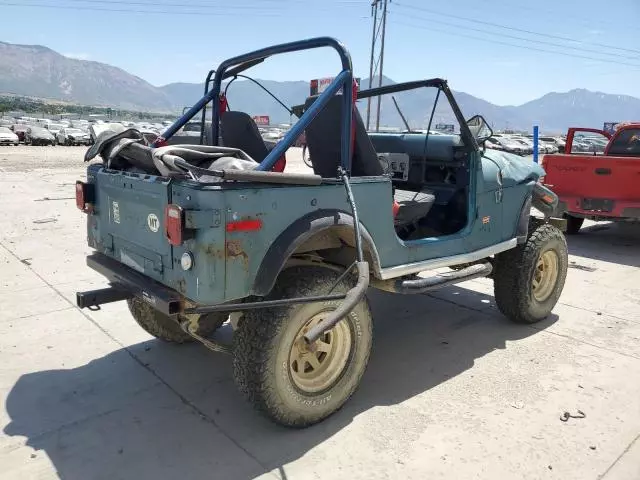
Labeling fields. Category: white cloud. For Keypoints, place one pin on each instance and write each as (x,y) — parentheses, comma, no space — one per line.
(78,56)
(595,32)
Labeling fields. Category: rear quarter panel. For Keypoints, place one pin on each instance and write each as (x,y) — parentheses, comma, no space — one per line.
(279,207)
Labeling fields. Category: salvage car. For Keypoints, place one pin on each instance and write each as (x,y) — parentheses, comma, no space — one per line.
(73,136)
(54,128)
(20,130)
(39,136)
(187,234)
(7,137)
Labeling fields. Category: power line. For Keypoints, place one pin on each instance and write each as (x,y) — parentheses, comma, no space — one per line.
(127,10)
(217,13)
(574,18)
(530,40)
(207,5)
(506,27)
(165,5)
(565,54)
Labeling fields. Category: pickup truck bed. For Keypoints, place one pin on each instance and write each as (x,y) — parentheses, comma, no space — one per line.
(595,185)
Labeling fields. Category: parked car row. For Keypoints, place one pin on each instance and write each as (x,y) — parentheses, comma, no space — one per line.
(523,144)
(34,135)
(43,131)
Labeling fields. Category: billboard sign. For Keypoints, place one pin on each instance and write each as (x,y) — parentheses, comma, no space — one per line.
(319,85)
(610,127)
(261,120)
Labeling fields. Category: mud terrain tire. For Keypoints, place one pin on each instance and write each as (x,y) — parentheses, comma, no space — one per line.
(281,378)
(165,328)
(524,291)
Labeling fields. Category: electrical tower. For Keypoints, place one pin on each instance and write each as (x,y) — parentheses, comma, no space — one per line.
(376,64)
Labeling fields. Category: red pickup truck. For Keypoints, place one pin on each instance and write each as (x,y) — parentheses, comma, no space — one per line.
(597,176)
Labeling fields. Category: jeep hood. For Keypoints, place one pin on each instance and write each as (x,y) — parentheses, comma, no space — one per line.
(515,169)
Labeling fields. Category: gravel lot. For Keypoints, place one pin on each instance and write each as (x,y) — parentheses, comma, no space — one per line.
(453,390)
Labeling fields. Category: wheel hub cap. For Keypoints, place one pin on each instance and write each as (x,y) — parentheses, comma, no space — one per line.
(316,367)
(545,275)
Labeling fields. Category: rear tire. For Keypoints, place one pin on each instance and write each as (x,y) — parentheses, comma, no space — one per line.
(529,279)
(574,224)
(284,380)
(165,328)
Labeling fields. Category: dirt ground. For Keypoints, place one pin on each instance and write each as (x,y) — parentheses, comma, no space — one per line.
(453,390)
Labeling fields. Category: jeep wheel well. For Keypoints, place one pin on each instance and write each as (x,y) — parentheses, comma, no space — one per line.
(325,236)
(335,246)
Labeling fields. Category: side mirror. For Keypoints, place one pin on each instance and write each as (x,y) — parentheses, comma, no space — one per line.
(479,128)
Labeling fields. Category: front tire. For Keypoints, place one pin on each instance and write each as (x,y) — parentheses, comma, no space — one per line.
(574,224)
(293,385)
(165,328)
(529,279)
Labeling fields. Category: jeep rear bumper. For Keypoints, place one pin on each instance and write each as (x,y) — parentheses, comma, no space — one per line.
(127,283)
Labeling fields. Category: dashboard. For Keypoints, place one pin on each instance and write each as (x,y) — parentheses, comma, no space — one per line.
(396,165)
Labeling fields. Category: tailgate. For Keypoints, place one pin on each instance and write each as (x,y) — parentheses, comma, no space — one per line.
(593,177)
(128,223)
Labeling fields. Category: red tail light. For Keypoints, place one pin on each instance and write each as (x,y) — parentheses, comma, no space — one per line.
(173,224)
(84,196)
(80,195)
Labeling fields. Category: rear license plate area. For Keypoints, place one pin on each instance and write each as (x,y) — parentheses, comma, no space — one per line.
(597,204)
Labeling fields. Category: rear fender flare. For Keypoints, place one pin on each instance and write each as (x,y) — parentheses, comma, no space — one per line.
(295,235)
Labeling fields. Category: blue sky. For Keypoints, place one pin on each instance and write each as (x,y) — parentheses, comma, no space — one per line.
(488,48)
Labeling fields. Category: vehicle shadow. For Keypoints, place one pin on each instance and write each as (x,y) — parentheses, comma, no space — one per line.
(608,241)
(420,342)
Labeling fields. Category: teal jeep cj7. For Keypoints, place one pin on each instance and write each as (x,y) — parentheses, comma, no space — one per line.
(189,234)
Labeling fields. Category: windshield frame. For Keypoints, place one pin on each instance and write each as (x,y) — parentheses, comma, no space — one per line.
(465,133)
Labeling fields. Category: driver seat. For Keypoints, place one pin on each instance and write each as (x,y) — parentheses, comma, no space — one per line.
(238,130)
(323,141)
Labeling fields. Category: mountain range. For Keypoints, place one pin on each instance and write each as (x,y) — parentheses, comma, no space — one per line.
(37,71)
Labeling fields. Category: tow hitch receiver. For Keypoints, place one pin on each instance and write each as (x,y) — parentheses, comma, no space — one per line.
(92,299)
(127,283)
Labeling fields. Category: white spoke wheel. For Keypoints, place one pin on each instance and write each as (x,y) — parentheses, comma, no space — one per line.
(293,383)
(529,279)
(316,367)
(545,275)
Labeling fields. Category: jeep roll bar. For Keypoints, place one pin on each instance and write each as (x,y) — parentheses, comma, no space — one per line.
(438,83)
(343,81)
(233,66)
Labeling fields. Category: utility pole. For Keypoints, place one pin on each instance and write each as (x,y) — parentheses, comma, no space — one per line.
(374,36)
(377,54)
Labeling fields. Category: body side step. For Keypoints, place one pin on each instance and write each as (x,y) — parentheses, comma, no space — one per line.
(422,285)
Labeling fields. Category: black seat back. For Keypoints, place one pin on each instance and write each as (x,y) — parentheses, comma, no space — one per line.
(323,141)
(238,130)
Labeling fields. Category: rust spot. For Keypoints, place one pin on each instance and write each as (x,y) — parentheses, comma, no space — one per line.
(234,250)
(213,251)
